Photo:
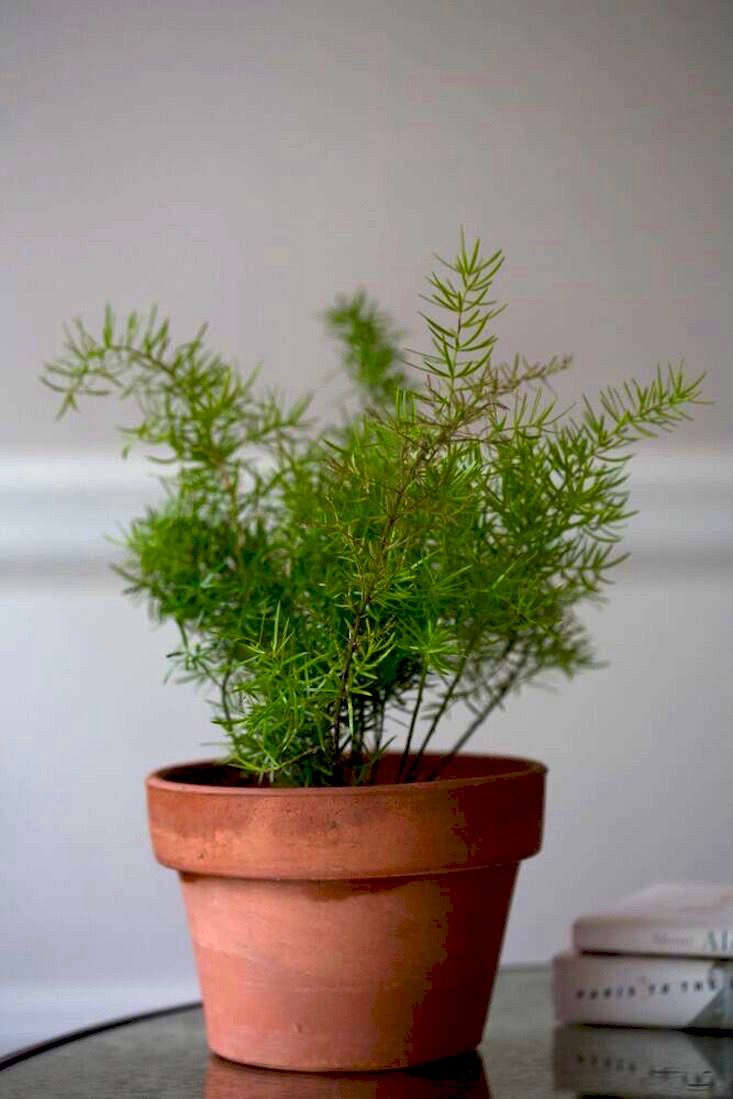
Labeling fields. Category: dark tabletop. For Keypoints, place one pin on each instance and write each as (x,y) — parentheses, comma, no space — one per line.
(523,1054)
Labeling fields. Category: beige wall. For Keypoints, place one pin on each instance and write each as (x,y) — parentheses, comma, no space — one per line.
(242,162)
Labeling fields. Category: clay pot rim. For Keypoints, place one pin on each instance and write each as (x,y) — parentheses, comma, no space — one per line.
(524,768)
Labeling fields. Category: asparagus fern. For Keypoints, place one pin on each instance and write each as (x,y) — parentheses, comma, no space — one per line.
(335,584)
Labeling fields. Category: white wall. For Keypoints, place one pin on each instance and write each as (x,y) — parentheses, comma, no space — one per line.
(243,163)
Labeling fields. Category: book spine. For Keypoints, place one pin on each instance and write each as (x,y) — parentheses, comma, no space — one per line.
(627,937)
(643,991)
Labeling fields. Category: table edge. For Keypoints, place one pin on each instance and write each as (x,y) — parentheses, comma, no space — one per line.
(26,1052)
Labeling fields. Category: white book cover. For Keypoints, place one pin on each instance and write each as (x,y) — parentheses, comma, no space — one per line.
(643,991)
(641,1064)
(680,918)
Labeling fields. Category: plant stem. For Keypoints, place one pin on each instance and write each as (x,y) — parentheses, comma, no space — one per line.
(353,641)
(414,767)
(343,679)
(224,702)
(493,702)
(413,722)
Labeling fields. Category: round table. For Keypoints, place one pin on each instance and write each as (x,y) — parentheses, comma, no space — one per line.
(523,1054)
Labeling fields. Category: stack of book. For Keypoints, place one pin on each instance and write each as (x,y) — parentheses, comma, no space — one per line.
(659,958)
(662,958)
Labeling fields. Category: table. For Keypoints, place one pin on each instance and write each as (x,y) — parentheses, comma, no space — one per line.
(523,1054)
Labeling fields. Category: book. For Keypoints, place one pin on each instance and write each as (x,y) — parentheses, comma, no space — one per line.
(631,990)
(679,918)
(640,1064)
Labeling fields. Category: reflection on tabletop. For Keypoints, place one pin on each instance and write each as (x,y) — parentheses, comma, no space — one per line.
(624,1062)
(456,1077)
(638,1062)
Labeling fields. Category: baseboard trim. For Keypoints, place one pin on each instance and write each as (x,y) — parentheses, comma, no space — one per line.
(61,511)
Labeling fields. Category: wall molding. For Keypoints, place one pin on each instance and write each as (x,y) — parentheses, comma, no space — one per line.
(60,510)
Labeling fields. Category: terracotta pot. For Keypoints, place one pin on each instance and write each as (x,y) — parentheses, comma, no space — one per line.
(347,928)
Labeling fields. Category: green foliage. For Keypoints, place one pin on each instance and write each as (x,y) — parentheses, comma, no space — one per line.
(370,348)
(430,552)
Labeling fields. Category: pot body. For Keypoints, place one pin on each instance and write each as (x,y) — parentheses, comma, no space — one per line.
(350,928)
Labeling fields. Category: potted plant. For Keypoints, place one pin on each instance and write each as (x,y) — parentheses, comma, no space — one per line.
(342,588)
